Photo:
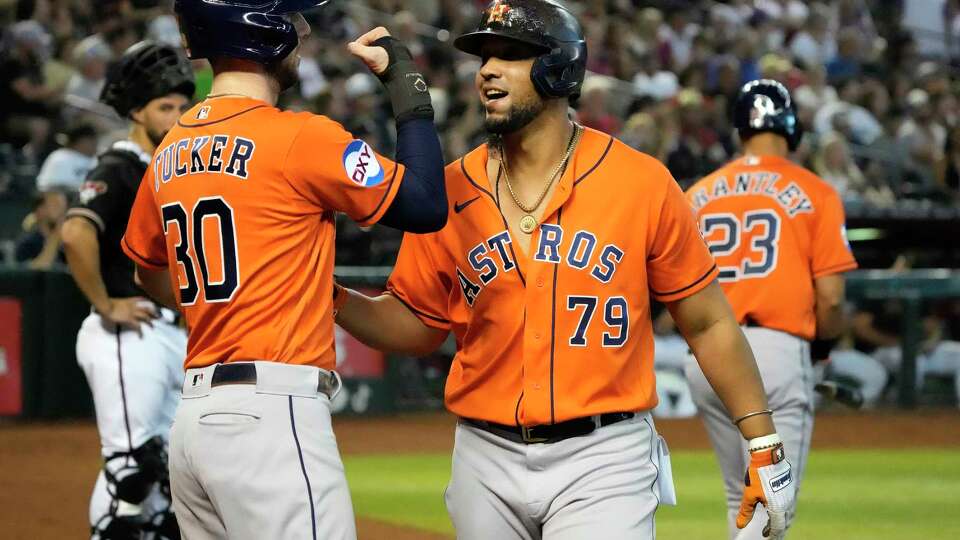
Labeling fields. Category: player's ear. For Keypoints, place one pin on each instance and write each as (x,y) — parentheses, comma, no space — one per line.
(137,115)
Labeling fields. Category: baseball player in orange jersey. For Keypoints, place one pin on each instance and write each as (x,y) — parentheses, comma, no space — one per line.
(777,233)
(556,237)
(234,224)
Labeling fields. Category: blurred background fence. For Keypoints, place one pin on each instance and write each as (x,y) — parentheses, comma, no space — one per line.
(41,311)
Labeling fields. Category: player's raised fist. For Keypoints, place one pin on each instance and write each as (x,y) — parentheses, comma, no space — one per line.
(375,57)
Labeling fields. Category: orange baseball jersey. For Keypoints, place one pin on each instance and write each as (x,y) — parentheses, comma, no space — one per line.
(773,227)
(239,204)
(563,331)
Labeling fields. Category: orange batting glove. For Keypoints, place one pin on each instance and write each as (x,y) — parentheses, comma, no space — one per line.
(769,481)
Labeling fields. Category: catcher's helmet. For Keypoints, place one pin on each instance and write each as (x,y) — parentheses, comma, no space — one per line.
(548,27)
(764,105)
(257,30)
(146,71)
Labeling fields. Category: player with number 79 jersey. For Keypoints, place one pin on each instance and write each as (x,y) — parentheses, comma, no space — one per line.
(556,238)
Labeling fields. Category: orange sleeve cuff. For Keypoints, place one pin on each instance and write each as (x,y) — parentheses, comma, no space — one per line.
(836,269)
(690,289)
(427,319)
(139,259)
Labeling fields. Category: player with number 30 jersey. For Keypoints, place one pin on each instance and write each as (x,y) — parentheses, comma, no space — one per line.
(234,225)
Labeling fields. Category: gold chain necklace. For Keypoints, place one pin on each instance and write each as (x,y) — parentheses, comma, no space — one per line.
(528,223)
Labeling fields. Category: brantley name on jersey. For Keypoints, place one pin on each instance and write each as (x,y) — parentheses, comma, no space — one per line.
(787,194)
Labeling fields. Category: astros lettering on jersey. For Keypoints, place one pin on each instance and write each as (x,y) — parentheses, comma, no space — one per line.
(773,227)
(259,287)
(563,331)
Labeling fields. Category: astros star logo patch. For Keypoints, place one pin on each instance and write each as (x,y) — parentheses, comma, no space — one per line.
(498,12)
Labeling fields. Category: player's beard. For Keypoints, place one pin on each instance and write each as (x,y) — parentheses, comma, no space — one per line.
(156,135)
(286,71)
(517,118)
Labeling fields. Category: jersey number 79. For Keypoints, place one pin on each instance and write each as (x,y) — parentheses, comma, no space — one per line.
(190,230)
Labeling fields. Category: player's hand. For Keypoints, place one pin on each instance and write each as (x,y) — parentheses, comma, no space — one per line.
(769,481)
(131,312)
(376,58)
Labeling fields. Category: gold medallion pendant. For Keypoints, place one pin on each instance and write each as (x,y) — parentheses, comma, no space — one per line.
(528,223)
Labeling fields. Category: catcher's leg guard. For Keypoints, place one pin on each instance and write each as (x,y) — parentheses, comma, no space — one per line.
(131,477)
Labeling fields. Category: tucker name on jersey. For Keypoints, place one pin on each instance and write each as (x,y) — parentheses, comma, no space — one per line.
(205,153)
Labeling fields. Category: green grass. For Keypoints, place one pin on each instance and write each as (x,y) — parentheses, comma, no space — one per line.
(847,494)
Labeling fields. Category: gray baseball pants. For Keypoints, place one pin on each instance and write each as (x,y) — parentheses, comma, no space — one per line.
(600,485)
(256,461)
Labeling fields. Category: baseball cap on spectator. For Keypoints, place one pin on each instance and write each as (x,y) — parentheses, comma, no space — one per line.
(32,35)
(91,48)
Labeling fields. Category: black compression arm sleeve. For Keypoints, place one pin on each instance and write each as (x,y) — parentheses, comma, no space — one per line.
(420,205)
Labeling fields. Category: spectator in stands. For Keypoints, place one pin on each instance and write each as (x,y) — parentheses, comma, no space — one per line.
(834,164)
(699,148)
(653,81)
(857,124)
(921,135)
(948,170)
(26,101)
(814,94)
(119,36)
(647,23)
(66,167)
(594,111)
(642,133)
(90,57)
(814,45)
(846,64)
(40,247)
(677,35)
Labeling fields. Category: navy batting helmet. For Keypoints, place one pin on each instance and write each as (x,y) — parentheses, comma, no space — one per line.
(257,30)
(764,105)
(146,71)
(546,26)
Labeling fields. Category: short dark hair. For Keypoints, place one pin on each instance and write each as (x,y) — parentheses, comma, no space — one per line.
(79,130)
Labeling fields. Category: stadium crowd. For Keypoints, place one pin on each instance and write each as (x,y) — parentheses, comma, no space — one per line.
(881,104)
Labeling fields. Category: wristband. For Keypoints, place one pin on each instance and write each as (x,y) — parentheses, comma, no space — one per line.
(748,415)
(407,87)
(766,441)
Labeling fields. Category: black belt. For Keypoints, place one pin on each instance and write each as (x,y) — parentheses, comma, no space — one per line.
(749,322)
(550,433)
(246,373)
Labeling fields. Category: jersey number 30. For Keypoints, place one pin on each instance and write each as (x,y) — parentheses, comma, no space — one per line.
(190,228)
(724,233)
